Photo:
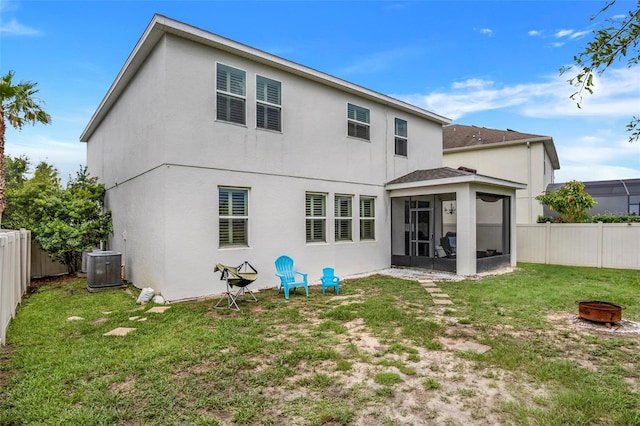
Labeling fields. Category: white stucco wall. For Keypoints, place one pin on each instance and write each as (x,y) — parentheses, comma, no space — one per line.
(162,156)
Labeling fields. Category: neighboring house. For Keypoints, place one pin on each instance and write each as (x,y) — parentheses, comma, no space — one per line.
(614,197)
(212,151)
(506,154)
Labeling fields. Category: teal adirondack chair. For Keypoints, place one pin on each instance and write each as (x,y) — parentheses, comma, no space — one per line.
(330,280)
(284,270)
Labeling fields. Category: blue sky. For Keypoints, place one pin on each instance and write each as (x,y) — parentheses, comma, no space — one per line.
(492,64)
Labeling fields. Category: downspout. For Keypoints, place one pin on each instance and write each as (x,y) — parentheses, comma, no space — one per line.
(529,194)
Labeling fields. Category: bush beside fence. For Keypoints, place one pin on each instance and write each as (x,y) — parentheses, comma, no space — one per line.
(15,273)
(600,245)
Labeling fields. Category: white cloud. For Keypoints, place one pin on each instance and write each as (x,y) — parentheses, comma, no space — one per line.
(534,33)
(616,95)
(64,155)
(591,172)
(13,27)
(563,33)
(579,34)
(486,31)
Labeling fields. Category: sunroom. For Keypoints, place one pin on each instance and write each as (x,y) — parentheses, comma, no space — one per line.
(453,220)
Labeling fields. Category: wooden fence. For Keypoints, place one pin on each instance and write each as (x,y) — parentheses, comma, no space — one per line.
(42,265)
(600,245)
(15,273)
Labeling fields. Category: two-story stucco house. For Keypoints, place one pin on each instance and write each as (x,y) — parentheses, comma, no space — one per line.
(507,154)
(216,152)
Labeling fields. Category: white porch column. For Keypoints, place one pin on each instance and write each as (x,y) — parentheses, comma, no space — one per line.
(513,229)
(466,231)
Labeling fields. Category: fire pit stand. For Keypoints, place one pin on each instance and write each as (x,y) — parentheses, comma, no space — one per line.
(598,311)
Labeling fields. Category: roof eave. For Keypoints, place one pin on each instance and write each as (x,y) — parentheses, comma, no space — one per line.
(471,178)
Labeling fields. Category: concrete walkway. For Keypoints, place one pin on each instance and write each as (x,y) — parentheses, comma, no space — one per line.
(437,295)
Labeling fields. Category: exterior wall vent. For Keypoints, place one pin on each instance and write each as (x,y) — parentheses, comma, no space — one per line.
(103,270)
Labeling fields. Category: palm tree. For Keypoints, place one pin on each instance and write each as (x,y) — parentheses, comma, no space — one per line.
(18,106)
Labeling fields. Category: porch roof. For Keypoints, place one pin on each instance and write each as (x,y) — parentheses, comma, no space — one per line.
(445,176)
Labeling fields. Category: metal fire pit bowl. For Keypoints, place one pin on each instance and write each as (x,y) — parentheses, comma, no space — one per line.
(598,311)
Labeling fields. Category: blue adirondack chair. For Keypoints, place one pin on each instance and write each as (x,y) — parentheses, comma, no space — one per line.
(330,280)
(284,270)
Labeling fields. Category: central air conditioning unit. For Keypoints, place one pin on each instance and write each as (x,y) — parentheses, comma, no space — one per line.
(103,270)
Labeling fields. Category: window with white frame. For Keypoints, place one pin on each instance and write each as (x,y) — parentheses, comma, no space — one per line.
(400,133)
(367,218)
(268,104)
(358,121)
(316,217)
(343,221)
(230,94)
(233,213)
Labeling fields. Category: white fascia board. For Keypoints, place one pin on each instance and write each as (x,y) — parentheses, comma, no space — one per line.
(470,179)
(161,25)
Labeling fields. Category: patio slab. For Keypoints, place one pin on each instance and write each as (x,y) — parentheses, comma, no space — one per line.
(120,331)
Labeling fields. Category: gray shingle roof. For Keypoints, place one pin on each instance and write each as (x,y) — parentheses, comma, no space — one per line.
(431,174)
(459,136)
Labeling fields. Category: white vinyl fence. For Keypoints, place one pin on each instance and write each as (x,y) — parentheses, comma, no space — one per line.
(601,245)
(15,273)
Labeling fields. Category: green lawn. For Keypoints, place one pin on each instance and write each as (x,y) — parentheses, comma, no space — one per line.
(380,353)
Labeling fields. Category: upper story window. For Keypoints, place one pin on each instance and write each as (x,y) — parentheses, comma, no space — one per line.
(233,216)
(231,94)
(269,101)
(316,217)
(358,119)
(343,219)
(400,133)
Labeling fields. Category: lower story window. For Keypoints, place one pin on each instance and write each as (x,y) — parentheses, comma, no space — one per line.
(316,217)
(233,213)
(367,218)
(343,218)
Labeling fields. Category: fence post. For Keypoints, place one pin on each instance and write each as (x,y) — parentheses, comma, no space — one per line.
(547,242)
(600,243)
(5,299)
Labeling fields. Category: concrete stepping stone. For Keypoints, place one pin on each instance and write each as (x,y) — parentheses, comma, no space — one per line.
(440,295)
(434,290)
(99,321)
(158,309)
(75,318)
(442,302)
(472,347)
(120,331)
